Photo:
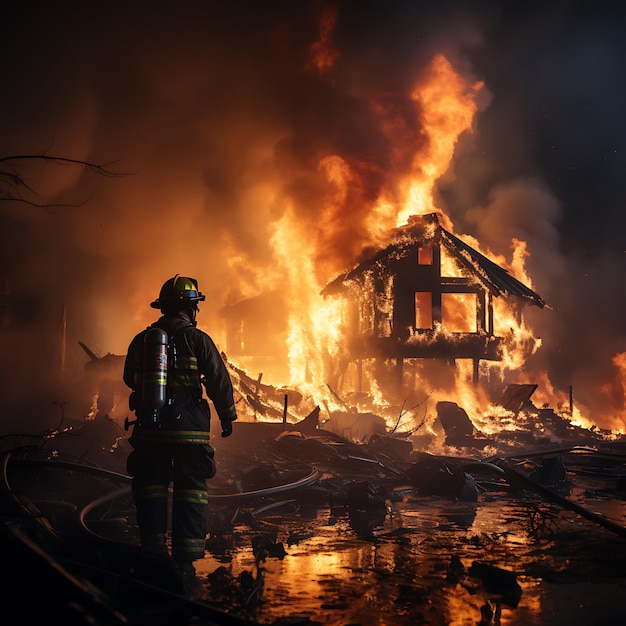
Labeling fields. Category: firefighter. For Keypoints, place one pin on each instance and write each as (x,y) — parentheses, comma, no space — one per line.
(167,366)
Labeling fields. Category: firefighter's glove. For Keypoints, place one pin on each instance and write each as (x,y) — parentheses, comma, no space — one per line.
(227,429)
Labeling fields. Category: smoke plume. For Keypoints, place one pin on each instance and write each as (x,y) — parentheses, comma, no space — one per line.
(226,119)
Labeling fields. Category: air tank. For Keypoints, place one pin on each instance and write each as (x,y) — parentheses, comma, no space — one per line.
(154,383)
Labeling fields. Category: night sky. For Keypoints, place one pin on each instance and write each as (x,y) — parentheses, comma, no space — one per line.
(211,113)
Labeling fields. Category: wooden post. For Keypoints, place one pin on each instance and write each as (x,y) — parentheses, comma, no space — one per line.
(285,410)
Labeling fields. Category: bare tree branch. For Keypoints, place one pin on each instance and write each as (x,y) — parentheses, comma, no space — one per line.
(12,183)
(404,411)
(101,169)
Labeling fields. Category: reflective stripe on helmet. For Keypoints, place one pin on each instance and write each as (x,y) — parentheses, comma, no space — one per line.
(178,289)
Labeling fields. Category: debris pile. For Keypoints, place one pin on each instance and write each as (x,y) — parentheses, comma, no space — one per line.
(68,518)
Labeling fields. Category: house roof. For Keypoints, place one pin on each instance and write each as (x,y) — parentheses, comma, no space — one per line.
(491,275)
(496,278)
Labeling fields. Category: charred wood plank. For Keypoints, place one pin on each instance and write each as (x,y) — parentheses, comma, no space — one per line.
(517,479)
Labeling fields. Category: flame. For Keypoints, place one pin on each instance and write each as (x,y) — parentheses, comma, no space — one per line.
(519,340)
(353,216)
(518,262)
(309,254)
(447,105)
(313,322)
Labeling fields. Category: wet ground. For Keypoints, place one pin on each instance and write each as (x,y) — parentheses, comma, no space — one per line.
(411,565)
(311,555)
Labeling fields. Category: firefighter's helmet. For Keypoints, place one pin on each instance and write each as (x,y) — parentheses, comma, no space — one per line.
(178,290)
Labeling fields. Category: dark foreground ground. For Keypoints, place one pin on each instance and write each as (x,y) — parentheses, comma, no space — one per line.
(308,529)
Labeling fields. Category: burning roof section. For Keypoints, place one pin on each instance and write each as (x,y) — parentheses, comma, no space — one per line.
(494,277)
(426,228)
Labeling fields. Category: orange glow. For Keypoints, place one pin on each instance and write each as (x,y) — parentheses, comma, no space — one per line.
(423,309)
(323,53)
(615,391)
(458,312)
(449,267)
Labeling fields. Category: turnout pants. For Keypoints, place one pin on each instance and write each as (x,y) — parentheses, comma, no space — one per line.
(153,467)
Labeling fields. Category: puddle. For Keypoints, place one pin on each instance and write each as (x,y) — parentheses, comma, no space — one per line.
(395,568)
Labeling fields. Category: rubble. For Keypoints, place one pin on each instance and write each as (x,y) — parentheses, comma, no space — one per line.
(282,485)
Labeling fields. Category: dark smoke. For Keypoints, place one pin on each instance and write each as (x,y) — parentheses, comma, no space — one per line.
(216,115)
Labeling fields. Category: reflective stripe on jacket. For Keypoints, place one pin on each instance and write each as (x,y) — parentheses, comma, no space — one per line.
(197,362)
(163,435)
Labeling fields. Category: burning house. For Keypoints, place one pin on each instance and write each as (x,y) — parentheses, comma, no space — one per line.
(427,295)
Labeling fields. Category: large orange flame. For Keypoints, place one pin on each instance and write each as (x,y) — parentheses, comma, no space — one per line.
(311,254)
(445,104)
